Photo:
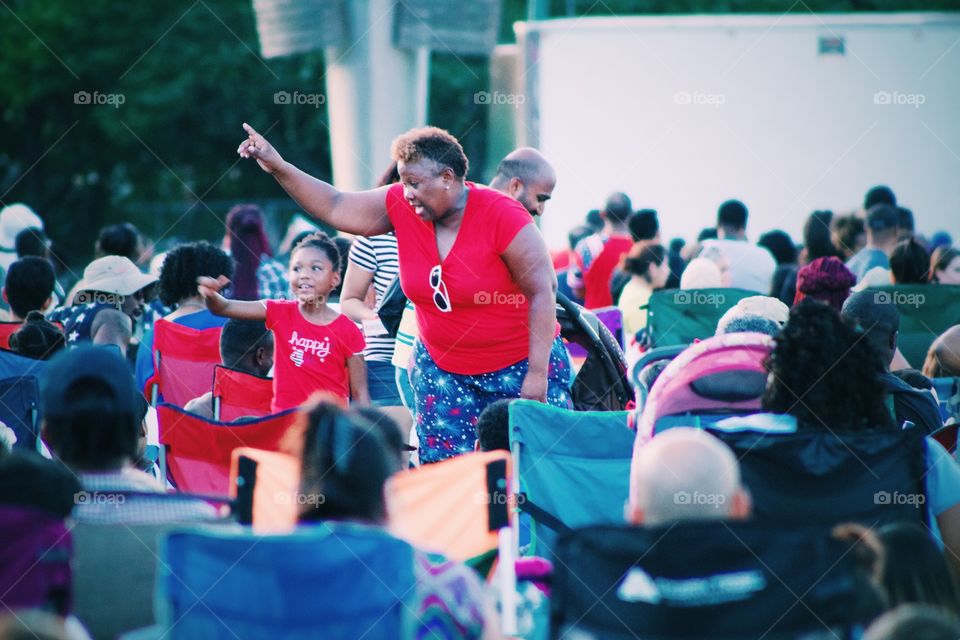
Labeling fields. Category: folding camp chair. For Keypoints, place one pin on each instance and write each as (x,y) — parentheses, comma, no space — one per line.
(873,477)
(20,409)
(925,313)
(35,549)
(196,452)
(183,362)
(612,319)
(680,581)
(264,485)
(237,394)
(12,364)
(7,329)
(680,317)
(571,468)
(324,581)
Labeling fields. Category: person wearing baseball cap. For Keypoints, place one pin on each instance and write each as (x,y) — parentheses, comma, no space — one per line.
(15,218)
(882,227)
(106,302)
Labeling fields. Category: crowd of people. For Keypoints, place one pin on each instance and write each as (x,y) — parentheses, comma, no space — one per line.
(472,326)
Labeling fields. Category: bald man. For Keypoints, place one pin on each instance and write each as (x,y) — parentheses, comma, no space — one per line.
(685,474)
(526,176)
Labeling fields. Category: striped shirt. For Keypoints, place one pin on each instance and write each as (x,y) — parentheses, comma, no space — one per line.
(377,255)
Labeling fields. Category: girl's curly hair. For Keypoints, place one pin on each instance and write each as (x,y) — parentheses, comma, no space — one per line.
(825,374)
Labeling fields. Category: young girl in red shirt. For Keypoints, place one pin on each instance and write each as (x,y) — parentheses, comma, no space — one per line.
(315,348)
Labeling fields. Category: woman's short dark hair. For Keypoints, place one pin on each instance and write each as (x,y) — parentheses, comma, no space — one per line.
(431,143)
(345,465)
(825,374)
(780,245)
(817,236)
(119,240)
(37,338)
(641,257)
(186,263)
(910,262)
(915,570)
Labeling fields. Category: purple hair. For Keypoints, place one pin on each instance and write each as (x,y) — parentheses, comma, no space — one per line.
(248,241)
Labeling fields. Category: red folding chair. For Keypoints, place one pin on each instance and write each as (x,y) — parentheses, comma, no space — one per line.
(183,362)
(196,452)
(7,329)
(237,394)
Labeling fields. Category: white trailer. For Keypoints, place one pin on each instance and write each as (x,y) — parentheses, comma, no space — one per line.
(788,113)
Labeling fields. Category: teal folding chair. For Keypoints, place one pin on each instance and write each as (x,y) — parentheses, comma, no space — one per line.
(573,468)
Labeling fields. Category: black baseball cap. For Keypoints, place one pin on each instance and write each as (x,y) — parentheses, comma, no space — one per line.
(103,364)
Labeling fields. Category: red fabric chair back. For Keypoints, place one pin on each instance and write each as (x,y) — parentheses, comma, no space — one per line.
(239,395)
(183,359)
(198,451)
(7,329)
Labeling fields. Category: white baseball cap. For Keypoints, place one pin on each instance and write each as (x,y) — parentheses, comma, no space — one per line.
(15,218)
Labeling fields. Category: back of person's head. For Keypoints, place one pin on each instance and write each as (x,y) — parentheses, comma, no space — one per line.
(780,245)
(643,225)
(732,216)
(910,262)
(943,357)
(677,245)
(493,426)
(877,316)
(37,338)
(882,222)
(914,622)
(433,144)
(905,222)
(915,570)
(849,234)
(578,233)
(685,474)
(643,256)
(90,409)
(618,208)
(594,220)
(29,284)
(707,233)
(825,362)
(248,242)
(701,273)
(119,240)
(187,262)
(32,242)
(943,269)
(345,466)
(825,279)
(247,345)
(881,194)
(817,236)
(389,431)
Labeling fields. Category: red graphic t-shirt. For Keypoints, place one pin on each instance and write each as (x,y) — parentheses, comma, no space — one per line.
(309,357)
(487,327)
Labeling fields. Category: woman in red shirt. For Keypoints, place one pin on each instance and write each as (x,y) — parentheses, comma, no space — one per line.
(474,265)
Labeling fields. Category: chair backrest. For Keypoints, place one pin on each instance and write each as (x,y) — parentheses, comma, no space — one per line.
(184,359)
(7,329)
(573,465)
(454,507)
(925,313)
(947,436)
(680,317)
(237,394)
(732,580)
(612,319)
(721,376)
(198,451)
(115,563)
(323,581)
(265,485)
(20,409)
(821,477)
(35,549)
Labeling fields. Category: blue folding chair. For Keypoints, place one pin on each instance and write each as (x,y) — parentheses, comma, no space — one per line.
(325,581)
(573,468)
(20,409)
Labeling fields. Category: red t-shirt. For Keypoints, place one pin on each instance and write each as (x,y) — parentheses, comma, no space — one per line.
(309,357)
(596,279)
(487,327)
